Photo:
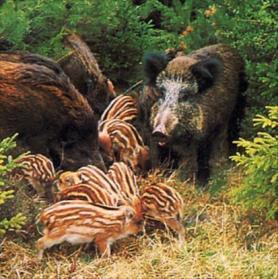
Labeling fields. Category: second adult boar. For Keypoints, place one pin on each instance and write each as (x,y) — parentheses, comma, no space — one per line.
(196,102)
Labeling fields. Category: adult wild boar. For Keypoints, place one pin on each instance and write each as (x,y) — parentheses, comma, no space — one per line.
(84,72)
(196,100)
(38,102)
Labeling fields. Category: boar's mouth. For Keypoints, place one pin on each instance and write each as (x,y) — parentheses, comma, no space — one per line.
(161,138)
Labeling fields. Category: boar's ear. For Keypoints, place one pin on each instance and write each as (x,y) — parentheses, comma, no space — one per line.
(153,64)
(206,72)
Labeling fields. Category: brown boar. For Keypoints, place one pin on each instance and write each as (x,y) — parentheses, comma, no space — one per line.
(84,72)
(38,102)
(196,105)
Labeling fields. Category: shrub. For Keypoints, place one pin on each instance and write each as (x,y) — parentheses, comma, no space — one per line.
(119,32)
(6,165)
(259,161)
(114,30)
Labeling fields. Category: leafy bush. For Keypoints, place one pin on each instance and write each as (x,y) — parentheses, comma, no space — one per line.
(114,30)
(260,164)
(119,32)
(6,165)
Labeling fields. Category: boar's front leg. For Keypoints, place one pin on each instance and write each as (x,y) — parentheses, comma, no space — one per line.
(188,164)
(219,150)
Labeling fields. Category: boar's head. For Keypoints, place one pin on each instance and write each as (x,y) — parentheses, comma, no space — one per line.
(80,145)
(177,115)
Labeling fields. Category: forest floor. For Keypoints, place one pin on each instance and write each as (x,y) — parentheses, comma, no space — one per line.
(222,241)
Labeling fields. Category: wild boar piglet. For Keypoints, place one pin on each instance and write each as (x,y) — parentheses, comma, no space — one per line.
(125,179)
(122,141)
(89,175)
(163,203)
(82,222)
(67,179)
(37,170)
(95,175)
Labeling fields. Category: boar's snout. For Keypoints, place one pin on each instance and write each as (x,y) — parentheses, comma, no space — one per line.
(160,134)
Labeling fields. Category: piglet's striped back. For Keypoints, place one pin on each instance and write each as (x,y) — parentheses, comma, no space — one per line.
(122,107)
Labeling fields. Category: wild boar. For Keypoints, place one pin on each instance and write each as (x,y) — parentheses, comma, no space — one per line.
(80,222)
(196,101)
(37,170)
(38,101)
(163,203)
(83,70)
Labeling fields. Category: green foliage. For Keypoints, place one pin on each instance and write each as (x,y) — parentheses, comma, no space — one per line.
(218,181)
(113,29)
(119,32)
(260,164)
(14,24)
(7,164)
(250,28)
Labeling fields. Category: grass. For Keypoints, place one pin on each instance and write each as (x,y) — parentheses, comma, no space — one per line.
(222,241)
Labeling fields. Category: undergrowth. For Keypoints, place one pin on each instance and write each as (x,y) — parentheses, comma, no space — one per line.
(221,242)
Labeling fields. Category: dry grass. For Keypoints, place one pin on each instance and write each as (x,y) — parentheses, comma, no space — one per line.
(221,242)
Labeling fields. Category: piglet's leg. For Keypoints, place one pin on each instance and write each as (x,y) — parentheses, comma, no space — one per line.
(38,187)
(48,241)
(104,248)
(176,226)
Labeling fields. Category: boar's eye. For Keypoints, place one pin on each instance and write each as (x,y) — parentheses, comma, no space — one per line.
(162,90)
(184,94)
(184,91)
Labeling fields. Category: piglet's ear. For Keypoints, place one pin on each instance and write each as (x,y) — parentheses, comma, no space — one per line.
(153,64)
(206,72)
